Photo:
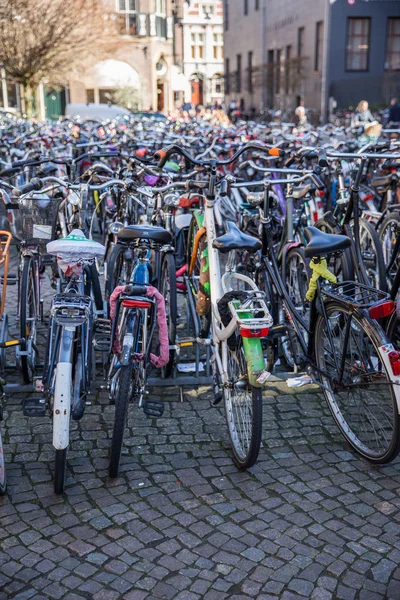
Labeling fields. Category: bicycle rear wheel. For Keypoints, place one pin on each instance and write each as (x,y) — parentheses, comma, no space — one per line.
(372,255)
(168,290)
(388,232)
(363,404)
(118,269)
(28,314)
(243,408)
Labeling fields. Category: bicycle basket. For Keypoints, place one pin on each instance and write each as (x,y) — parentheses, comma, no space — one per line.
(358,294)
(35,221)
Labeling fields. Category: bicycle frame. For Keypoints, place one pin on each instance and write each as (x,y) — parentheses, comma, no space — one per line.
(71,320)
(218,287)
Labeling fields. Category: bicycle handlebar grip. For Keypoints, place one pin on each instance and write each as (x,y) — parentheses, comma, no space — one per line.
(322,158)
(135,290)
(276,152)
(161,156)
(318,182)
(34,185)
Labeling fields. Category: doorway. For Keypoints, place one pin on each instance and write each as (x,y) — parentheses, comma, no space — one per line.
(160,96)
(196,86)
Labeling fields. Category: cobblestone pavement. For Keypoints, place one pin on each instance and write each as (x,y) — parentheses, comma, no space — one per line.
(310,520)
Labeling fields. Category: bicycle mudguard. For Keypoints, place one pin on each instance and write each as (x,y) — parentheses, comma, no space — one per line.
(254,356)
(62,405)
(254,359)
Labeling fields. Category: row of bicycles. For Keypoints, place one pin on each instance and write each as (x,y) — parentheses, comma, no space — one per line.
(251,243)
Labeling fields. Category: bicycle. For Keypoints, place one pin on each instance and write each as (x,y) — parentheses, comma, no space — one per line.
(135,311)
(343,347)
(67,369)
(238,318)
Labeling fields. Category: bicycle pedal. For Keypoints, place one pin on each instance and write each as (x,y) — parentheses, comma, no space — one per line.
(34,407)
(11,279)
(47,260)
(153,408)
(102,343)
(102,326)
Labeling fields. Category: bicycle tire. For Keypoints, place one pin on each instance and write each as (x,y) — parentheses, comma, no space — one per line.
(388,243)
(120,417)
(114,269)
(93,287)
(60,469)
(368,337)
(291,348)
(168,290)
(3,476)
(28,312)
(368,231)
(270,345)
(205,321)
(248,402)
(342,266)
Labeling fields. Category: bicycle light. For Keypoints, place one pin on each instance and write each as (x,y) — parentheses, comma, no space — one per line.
(254,333)
(115,227)
(394,358)
(69,310)
(382,310)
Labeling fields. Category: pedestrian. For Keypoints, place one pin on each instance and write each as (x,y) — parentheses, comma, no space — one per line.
(364,119)
(394,113)
(300,118)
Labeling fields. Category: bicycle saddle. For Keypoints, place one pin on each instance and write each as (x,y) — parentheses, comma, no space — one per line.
(379,181)
(144,232)
(234,239)
(76,247)
(321,244)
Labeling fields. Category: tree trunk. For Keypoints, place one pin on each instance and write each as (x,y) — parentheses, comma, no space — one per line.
(30,100)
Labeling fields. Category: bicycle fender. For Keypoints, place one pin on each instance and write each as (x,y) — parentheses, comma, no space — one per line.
(62,405)
(127,347)
(254,359)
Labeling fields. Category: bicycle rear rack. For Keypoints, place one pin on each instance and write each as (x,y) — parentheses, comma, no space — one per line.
(357,294)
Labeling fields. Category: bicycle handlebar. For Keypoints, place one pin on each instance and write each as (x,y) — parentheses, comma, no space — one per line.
(163,155)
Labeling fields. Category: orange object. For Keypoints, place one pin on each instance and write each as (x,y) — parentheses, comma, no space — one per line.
(199,235)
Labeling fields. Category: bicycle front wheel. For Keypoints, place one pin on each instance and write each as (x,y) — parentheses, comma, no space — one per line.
(28,316)
(243,408)
(122,398)
(362,401)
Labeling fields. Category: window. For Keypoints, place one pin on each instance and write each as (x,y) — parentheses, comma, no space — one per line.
(197,45)
(257,5)
(250,72)
(159,7)
(246,7)
(392,62)
(278,71)
(227,76)
(90,96)
(127,17)
(319,45)
(226,15)
(287,69)
(106,96)
(300,47)
(217,84)
(238,73)
(218,43)
(357,57)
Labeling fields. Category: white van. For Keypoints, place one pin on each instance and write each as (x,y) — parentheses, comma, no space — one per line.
(95,111)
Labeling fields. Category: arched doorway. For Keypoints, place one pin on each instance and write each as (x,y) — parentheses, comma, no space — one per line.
(113,81)
(197,89)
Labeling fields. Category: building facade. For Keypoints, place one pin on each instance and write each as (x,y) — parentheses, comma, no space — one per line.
(139,71)
(323,53)
(201,51)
